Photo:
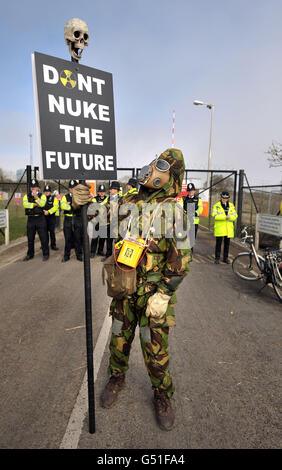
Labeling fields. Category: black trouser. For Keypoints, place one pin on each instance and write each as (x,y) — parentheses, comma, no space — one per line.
(109,242)
(225,248)
(78,235)
(73,235)
(68,234)
(51,225)
(37,223)
(94,243)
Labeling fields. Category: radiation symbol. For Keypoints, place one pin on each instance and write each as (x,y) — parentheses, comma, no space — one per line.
(68,78)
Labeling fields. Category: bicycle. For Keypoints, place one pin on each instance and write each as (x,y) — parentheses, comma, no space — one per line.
(251,266)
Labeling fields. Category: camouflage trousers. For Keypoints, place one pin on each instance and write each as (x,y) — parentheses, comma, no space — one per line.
(126,315)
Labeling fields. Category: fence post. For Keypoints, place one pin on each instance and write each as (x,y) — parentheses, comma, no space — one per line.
(210,198)
(256,234)
(235,188)
(240,202)
(35,170)
(28,178)
(7,229)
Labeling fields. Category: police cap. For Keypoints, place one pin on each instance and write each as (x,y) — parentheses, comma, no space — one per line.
(115,185)
(72,183)
(101,188)
(47,187)
(132,182)
(190,187)
(225,195)
(34,183)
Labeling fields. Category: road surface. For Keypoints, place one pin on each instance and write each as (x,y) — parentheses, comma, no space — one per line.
(224,360)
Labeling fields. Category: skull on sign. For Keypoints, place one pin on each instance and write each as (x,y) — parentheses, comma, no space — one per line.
(76,37)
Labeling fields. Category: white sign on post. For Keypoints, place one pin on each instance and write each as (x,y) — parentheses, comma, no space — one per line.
(3,219)
(271,224)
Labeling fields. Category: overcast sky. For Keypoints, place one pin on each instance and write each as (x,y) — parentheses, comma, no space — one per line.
(163,55)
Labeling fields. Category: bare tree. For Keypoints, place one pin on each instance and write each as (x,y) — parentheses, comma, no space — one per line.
(275,154)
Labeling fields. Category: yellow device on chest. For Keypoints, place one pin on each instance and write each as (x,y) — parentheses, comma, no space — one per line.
(131,251)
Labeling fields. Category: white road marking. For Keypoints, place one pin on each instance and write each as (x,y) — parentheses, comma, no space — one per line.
(75,424)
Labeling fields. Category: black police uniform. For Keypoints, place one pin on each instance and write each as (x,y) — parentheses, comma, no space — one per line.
(36,223)
(191,200)
(51,222)
(72,228)
(98,240)
(219,239)
(78,233)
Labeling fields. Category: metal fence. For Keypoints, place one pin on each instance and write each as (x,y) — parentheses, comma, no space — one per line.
(11,198)
(249,200)
(263,199)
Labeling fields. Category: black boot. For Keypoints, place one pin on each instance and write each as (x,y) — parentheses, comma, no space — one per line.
(28,257)
(111,390)
(164,412)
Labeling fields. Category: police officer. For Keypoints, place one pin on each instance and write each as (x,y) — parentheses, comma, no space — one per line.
(224,214)
(131,187)
(112,208)
(34,202)
(72,225)
(50,210)
(198,205)
(100,199)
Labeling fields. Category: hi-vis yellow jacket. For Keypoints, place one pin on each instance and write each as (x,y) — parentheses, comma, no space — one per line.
(28,203)
(130,191)
(199,204)
(67,208)
(224,227)
(52,205)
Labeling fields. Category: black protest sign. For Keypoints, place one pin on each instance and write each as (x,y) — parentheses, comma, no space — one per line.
(75,119)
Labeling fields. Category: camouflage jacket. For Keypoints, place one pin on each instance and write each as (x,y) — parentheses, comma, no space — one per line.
(166,261)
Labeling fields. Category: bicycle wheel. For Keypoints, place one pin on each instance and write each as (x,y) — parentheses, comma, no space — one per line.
(277,281)
(245,266)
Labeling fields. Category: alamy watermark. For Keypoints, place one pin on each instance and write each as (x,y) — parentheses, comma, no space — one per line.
(147,221)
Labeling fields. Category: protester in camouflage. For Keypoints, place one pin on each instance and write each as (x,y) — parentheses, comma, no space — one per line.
(159,274)
(161,271)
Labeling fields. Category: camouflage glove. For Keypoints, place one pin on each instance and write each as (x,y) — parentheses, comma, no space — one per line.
(81,195)
(157,305)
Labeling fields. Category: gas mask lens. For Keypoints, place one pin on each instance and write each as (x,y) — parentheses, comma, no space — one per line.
(162,165)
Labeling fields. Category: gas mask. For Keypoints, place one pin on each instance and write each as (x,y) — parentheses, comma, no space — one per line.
(155,175)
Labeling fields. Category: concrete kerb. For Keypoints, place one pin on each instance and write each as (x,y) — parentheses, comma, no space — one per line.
(17,249)
(19,242)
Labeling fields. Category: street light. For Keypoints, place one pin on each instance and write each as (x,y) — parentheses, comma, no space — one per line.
(210,106)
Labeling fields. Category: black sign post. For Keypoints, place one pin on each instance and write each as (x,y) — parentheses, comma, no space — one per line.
(88,323)
(76,135)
